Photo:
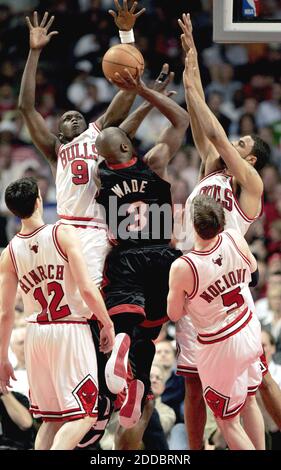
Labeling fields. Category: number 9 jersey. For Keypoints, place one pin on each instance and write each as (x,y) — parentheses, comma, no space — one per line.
(76,186)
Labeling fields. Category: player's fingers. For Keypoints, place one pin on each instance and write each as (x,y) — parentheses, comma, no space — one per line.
(35,19)
(112,13)
(53,33)
(171,93)
(44,19)
(117,5)
(125,5)
(185,44)
(134,6)
(189,23)
(28,22)
(139,13)
(50,22)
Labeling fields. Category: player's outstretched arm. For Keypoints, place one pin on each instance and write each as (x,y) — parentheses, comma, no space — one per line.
(205,148)
(121,104)
(171,138)
(180,277)
(134,120)
(39,37)
(9,283)
(245,174)
(70,244)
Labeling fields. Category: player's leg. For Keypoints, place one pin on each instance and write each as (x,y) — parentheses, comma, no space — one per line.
(234,434)
(271,396)
(195,415)
(45,435)
(71,433)
(124,300)
(253,422)
(131,439)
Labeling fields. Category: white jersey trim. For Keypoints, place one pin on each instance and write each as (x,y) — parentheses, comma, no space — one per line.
(238,250)
(56,243)
(195,276)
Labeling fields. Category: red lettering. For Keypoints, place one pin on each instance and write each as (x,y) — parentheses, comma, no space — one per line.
(42,272)
(232,278)
(207,297)
(59,274)
(30,283)
(24,287)
(34,276)
(220,288)
(63,158)
(50,274)
(213,291)
(228,203)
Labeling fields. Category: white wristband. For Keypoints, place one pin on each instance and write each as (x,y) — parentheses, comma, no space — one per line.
(126,36)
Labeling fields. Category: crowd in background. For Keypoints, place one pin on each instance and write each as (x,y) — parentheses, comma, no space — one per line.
(242,84)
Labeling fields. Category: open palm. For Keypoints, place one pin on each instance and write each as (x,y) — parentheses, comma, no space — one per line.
(38,33)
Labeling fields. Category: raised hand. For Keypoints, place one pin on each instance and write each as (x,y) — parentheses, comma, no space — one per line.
(128,82)
(124,18)
(163,80)
(38,33)
(187,37)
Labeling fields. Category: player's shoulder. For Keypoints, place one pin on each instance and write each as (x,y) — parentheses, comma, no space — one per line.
(65,230)
(6,263)
(181,265)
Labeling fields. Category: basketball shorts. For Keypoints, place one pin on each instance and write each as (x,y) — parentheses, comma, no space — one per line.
(187,345)
(230,369)
(95,247)
(136,280)
(62,388)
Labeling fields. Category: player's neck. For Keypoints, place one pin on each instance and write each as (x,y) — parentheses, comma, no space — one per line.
(205,245)
(32,223)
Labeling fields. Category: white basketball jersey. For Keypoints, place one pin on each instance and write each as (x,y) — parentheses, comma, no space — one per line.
(75,179)
(48,290)
(218,185)
(221,291)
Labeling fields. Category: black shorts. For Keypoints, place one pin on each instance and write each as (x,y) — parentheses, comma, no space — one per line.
(136,280)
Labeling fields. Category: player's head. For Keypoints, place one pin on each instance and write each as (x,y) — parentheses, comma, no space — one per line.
(253,149)
(22,197)
(208,217)
(114,145)
(71,124)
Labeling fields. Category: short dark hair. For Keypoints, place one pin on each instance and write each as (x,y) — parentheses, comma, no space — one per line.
(20,197)
(261,150)
(208,216)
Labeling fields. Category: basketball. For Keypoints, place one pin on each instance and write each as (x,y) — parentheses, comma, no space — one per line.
(122,56)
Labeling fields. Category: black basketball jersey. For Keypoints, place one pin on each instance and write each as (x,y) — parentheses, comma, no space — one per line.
(137,203)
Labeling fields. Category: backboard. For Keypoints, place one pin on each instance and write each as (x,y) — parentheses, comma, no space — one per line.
(242,21)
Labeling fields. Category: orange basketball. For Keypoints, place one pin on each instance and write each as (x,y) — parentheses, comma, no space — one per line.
(122,56)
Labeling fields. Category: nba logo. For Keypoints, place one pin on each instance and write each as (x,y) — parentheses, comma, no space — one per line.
(250,8)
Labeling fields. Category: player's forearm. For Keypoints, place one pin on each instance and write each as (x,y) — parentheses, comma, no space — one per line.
(28,83)
(118,109)
(206,119)
(17,412)
(134,120)
(176,115)
(94,300)
(6,327)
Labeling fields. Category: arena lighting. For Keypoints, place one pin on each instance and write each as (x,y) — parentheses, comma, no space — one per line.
(233,26)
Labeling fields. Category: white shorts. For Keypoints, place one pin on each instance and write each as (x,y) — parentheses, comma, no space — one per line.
(62,371)
(230,369)
(95,247)
(186,337)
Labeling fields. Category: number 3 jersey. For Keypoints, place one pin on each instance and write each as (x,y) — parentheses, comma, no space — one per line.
(137,203)
(76,185)
(48,290)
(220,292)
